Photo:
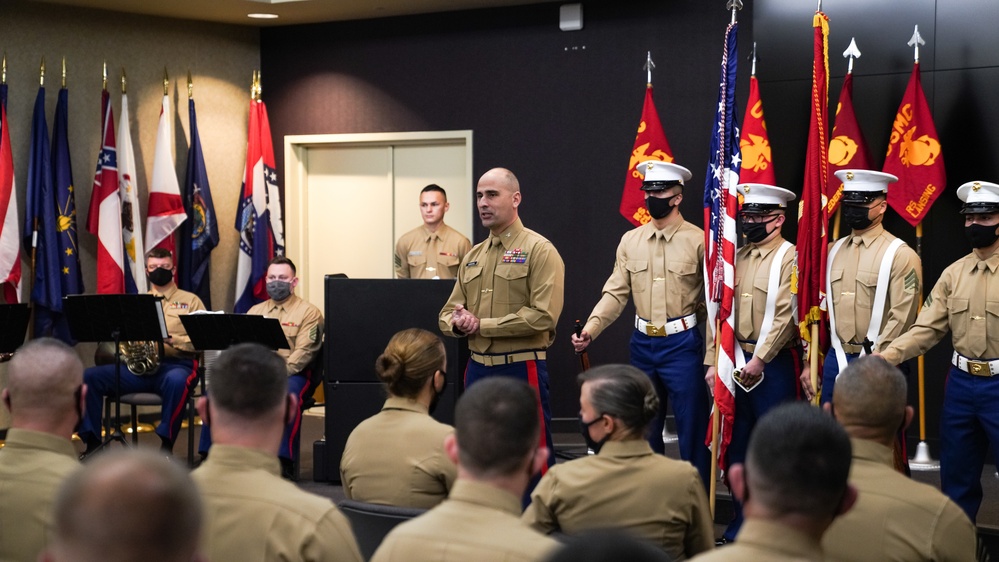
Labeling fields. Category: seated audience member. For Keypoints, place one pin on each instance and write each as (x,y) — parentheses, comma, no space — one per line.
(894,518)
(127,506)
(607,546)
(397,456)
(792,486)
(495,446)
(45,396)
(626,485)
(251,513)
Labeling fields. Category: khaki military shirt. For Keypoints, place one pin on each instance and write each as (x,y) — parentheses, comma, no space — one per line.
(477,522)
(600,492)
(896,518)
(853,278)
(759,539)
(33,465)
(251,513)
(662,272)
(752,278)
(302,323)
(965,301)
(397,457)
(421,254)
(514,284)
(176,303)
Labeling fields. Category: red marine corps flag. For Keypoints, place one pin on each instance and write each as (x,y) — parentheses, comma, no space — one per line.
(757,164)
(810,268)
(650,144)
(847,148)
(914,151)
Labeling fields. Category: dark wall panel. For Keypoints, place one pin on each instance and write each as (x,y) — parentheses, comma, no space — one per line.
(559,109)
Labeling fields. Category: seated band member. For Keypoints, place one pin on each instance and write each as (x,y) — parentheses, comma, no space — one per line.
(302,323)
(176,374)
(625,485)
(397,457)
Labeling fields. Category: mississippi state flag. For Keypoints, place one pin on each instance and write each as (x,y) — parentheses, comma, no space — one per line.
(258,217)
(104,216)
(166,208)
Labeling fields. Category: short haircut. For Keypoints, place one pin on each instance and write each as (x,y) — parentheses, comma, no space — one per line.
(434,187)
(871,393)
(127,505)
(411,357)
(44,374)
(159,253)
(248,380)
(496,426)
(623,392)
(798,461)
(283,260)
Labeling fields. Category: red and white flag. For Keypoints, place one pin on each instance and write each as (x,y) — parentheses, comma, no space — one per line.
(166,207)
(10,245)
(754,143)
(128,188)
(104,215)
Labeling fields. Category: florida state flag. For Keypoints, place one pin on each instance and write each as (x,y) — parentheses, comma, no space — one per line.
(847,148)
(650,144)
(914,155)
(757,165)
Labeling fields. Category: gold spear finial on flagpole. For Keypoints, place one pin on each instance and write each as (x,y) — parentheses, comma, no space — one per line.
(735,6)
(124,81)
(851,53)
(916,41)
(166,82)
(104,74)
(63,72)
(649,65)
(190,86)
(41,73)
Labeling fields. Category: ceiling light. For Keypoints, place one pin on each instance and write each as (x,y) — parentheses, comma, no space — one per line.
(262,16)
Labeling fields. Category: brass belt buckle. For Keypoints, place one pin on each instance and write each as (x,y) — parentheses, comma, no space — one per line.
(976,368)
(655,331)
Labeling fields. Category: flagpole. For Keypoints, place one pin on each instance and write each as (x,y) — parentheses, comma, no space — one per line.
(190,86)
(649,65)
(851,54)
(34,224)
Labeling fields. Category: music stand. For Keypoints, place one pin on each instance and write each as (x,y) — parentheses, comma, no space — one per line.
(210,332)
(13,327)
(96,318)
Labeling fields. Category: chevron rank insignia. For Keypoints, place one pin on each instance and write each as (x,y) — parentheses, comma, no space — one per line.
(314,333)
(911,282)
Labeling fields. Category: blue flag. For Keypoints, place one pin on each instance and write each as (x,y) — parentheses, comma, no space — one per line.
(199,234)
(40,229)
(65,201)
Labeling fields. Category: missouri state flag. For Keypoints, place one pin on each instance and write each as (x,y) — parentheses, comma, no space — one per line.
(847,147)
(104,216)
(650,144)
(258,214)
(914,155)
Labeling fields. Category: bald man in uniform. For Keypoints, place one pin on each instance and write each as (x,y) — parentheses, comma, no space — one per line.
(792,486)
(873,279)
(433,250)
(45,394)
(126,506)
(766,323)
(174,378)
(895,518)
(964,301)
(508,297)
(251,513)
(660,265)
(495,446)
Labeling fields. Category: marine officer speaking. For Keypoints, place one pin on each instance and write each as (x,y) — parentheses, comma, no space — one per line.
(965,301)
(659,265)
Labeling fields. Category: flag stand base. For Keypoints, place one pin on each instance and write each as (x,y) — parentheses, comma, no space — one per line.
(923,462)
(669,437)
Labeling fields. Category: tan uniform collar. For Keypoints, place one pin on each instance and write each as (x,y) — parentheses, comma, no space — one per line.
(667,233)
(285,305)
(624,449)
(243,458)
(775,537)
(867,450)
(507,236)
(439,234)
(480,493)
(867,238)
(167,295)
(39,440)
(767,247)
(992,262)
(399,403)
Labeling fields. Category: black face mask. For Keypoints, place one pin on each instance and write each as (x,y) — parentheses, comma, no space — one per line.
(757,231)
(584,427)
(437,395)
(160,277)
(857,217)
(980,235)
(660,208)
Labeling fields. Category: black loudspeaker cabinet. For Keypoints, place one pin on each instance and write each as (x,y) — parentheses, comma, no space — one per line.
(361,316)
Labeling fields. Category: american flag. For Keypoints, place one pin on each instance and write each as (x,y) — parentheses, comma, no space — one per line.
(720,207)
